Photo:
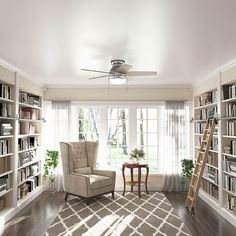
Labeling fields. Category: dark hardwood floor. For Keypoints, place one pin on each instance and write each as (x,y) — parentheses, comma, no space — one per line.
(205,222)
(39,214)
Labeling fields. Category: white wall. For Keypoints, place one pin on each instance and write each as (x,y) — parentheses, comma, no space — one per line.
(120,94)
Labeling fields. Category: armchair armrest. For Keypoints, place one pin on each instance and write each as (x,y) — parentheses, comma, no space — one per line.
(107,173)
(77,184)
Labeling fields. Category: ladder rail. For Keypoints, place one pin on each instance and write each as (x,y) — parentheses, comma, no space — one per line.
(200,164)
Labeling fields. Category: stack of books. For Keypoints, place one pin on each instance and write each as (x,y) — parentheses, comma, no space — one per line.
(210,188)
(5,129)
(29,113)
(208,113)
(29,99)
(227,149)
(27,128)
(26,143)
(26,157)
(231,127)
(229,91)
(4,146)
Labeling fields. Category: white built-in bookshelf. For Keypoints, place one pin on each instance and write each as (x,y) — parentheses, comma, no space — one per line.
(218,187)
(20,146)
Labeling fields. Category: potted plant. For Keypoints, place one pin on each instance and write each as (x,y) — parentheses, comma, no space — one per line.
(186,174)
(137,154)
(50,165)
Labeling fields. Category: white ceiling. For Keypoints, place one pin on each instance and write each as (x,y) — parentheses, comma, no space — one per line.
(183,40)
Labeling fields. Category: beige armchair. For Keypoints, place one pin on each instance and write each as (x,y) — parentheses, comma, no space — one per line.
(81,177)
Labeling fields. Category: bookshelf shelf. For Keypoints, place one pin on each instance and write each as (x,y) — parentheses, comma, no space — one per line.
(28,135)
(28,178)
(205,106)
(227,136)
(28,164)
(6,155)
(31,120)
(211,181)
(21,104)
(229,155)
(6,100)
(24,199)
(6,173)
(228,173)
(7,118)
(6,136)
(2,193)
(26,150)
(229,192)
(212,166)
(229,100)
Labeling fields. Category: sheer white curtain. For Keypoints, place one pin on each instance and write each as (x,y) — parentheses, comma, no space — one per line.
(174,144)
(58,116)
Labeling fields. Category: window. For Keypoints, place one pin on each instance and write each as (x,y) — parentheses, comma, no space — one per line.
(117,137)
(89,124)
(148,134)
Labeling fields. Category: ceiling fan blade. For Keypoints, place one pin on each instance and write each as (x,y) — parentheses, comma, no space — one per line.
(142,73)
(99,71)
(122,69)
(98,77)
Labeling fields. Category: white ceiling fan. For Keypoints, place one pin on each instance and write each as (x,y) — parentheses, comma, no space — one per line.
(119,72)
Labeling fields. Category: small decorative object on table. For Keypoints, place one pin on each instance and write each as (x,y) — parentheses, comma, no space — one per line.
(137,155)
(50,166)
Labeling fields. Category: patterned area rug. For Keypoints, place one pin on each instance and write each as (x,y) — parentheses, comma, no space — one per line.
(128,215)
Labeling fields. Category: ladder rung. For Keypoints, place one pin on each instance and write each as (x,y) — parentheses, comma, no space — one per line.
(205,141)
(198,163)
(191,198)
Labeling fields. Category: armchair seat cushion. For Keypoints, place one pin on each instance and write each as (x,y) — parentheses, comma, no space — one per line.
(99,181)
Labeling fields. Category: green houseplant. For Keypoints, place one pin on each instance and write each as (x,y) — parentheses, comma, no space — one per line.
(186,174)
(50,165)
(137,154)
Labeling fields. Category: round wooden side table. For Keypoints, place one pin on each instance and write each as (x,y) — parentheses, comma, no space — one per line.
(138,183)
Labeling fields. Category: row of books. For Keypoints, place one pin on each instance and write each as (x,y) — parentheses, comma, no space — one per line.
(230,109)
(26,157)
(27,172)
(5,91)
(228,91)
(5,183)
(27,187)
(229,164)
(5,146)
(5,109)
(4,164)
(210,188)
(212,159)
(29,99)
(211,174)
(213,146)
(207,113)
(207,98)
(29,113)
(26,143)
(6,129)
(230,183)
(230,203)
(27,128)
(230,149)
(230,127)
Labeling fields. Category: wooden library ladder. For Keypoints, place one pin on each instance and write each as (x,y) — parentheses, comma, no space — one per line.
(200,165)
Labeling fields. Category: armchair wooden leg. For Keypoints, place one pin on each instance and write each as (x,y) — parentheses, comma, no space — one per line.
(113,194)
(66,196)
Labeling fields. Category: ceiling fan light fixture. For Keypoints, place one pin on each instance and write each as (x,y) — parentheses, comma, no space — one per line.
(117,79)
